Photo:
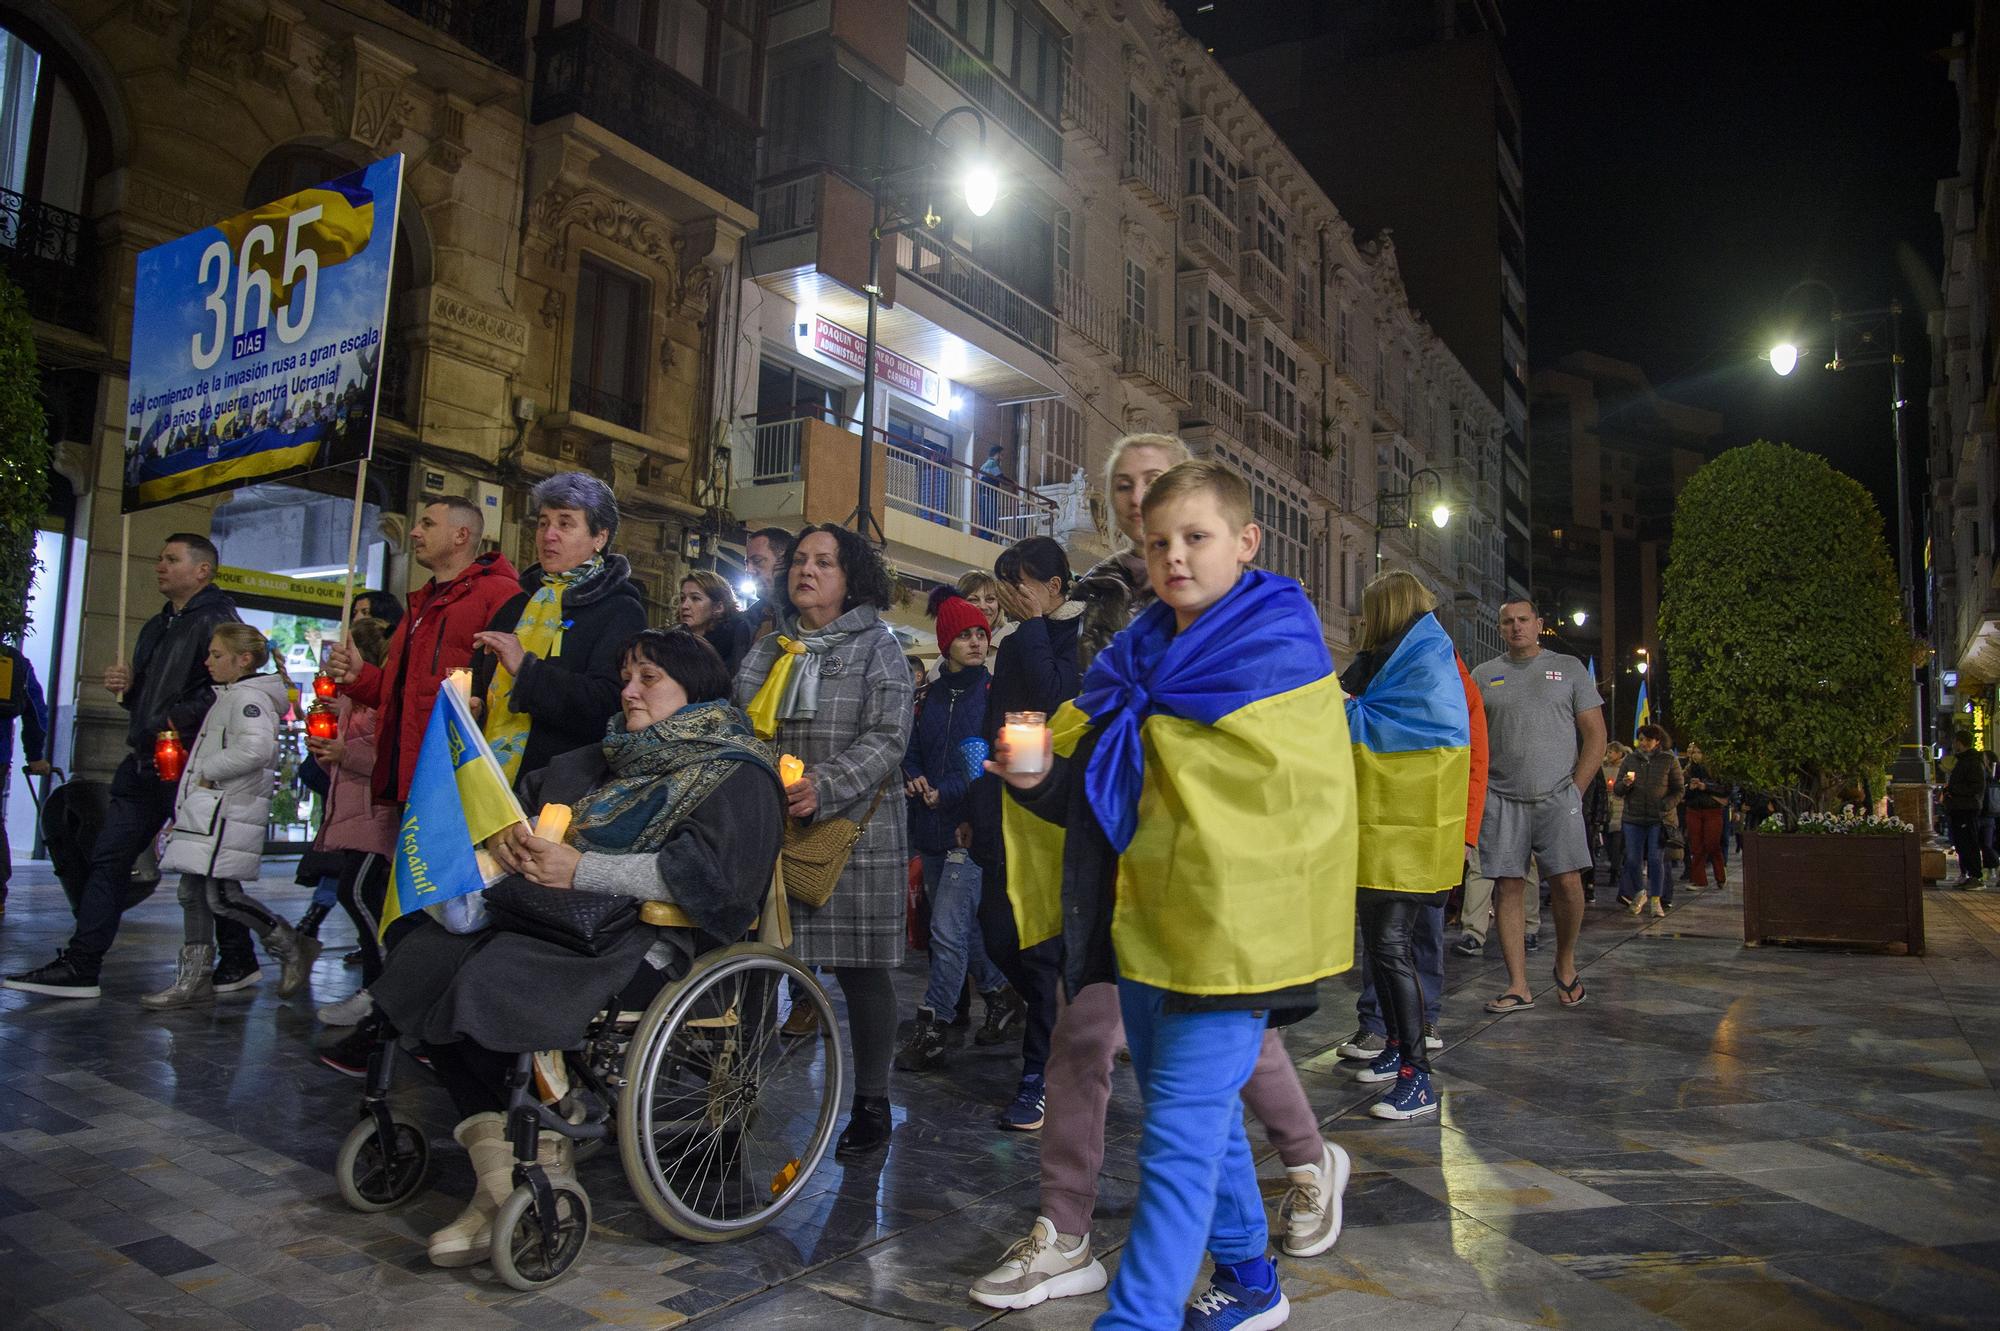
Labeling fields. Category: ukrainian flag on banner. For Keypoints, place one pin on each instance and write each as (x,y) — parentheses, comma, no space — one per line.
(1645,716)
(1412,762)
(458,798)
(346,221)
(1239,874)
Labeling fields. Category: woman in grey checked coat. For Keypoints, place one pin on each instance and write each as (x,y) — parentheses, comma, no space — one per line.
(844,710)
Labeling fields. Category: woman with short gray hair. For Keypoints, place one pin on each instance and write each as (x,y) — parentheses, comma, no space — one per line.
(546,669)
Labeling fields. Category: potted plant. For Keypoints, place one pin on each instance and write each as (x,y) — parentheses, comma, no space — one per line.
(1782,629)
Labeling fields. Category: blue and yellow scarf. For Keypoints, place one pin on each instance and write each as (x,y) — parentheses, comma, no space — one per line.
(540,630)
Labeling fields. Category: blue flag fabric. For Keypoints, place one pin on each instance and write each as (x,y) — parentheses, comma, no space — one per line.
(458,798)
(1261,639)
(1415,700)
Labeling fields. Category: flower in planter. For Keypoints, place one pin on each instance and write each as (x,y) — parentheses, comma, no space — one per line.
(1850,821)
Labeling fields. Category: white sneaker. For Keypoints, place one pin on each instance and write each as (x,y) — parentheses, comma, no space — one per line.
(1310,1210)
(349,1011)
(1036,1269)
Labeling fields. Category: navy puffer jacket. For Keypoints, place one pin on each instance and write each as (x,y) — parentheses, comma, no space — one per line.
(953,710)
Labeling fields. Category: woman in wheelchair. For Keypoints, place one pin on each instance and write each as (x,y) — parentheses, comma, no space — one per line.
(680,803)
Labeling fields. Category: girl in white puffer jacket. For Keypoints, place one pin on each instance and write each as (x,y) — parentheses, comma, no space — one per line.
(220,811)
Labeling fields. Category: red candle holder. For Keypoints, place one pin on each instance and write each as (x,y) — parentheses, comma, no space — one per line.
(323,686)
(169,755)
(322,722)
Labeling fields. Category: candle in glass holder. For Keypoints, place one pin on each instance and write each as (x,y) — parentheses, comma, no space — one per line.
(322,722)
(552,824)
(169,755)
(790,770)
(461,679)
(323,685)
(1027,738)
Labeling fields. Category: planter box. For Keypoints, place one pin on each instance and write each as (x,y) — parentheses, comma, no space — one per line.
(1861,890)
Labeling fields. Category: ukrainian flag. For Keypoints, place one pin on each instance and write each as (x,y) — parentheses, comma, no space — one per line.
(458,798)
(346,222)
(1412,762)
(1223,766)
(1645,714)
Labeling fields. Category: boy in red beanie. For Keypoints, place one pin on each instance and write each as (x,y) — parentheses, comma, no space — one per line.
(938,772)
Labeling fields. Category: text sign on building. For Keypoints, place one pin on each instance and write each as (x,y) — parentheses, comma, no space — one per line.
(257,342)
(899,372)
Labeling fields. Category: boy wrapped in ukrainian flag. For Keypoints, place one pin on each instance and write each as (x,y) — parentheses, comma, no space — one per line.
(1205,784)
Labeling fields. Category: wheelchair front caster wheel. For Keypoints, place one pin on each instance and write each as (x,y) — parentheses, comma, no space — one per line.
(523,1256)
(378,1176)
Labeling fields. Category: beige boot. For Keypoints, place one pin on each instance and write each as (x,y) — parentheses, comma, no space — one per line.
(192,981)
(467,1240)
(556,1154)
(296,952)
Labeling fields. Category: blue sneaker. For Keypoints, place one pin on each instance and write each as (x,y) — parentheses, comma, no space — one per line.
(1230,1305)
(1025,1114)
(1384,1067)
(1410,1097)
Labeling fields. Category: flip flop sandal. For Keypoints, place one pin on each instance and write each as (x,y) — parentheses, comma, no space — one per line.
(1573,987)
(1509,1003)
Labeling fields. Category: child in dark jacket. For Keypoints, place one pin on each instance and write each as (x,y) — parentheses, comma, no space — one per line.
(937,774)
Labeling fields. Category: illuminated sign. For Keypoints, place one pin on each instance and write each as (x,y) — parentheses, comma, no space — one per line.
(899,372)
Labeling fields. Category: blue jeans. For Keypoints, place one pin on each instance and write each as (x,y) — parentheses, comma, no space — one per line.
(327,894)
(1427,941)
(1647,842)
(1192,1067)
(956,942)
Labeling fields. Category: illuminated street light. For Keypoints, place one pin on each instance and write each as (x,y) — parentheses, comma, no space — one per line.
(1642,667)
(1441,516)
(982,188)
(1784,358)
(1579,617)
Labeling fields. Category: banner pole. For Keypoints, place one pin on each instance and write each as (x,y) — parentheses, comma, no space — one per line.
(124,582)
(354,547)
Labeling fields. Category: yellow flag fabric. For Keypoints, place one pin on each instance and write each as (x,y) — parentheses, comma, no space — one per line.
(1240,876)
(763,709)
(1413,805)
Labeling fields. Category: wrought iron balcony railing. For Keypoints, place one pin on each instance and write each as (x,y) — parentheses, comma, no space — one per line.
(496,29)
(955,275)
(935,45)
(49,253)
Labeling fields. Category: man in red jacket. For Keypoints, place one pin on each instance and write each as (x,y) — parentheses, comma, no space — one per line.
(433,637)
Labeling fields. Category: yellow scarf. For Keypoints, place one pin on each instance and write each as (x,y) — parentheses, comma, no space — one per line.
(764,708)
(540,630)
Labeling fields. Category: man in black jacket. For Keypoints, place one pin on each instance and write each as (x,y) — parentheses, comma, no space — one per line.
(1964,801)
(166,686)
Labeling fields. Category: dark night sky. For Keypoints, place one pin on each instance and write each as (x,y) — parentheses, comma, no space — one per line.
(1687,163)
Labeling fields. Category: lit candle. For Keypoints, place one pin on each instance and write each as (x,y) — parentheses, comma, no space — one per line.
(461,679)
(321,722)
(323,685)
(1026,735)
(169,755)
(552,824)
(790,770)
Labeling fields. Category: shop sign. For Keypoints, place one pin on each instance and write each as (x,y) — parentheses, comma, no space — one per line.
(899,372)
(278,587)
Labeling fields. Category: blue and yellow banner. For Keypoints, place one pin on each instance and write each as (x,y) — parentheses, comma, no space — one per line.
(1225,778)
(458,798)
(257,342)
(1412,763)
(1644,716)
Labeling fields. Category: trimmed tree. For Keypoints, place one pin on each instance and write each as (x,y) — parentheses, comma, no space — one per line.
(1782,622)
(24,459)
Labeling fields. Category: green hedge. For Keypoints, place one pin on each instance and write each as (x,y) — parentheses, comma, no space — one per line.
(24,459)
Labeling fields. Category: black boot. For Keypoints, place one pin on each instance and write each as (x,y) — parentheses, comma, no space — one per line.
(309,923)
(868,1127)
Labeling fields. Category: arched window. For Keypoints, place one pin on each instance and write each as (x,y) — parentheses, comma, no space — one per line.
(288,170)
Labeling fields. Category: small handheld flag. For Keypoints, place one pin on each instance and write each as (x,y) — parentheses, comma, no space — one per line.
(458,798)
(1645,716)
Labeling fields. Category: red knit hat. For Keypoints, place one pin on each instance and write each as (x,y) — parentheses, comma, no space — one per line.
(954,616)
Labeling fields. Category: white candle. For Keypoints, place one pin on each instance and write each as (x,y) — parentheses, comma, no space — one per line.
(461,679)
(552,824)
(1026,735)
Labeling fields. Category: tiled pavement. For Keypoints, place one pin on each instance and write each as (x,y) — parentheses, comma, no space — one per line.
(1722,1137)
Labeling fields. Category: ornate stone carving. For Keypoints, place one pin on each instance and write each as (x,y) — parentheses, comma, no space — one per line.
(272,62)
(150,198)
(213,51)
(552,307)
(449,144)
(157,16)
(365,92)
(561,207)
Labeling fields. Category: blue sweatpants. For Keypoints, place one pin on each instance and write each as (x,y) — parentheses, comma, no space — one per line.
(1192,1067)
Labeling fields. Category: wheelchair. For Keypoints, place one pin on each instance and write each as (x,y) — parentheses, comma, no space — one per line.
(720,1122)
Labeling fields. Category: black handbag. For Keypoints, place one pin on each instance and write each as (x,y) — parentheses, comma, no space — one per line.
(590,923)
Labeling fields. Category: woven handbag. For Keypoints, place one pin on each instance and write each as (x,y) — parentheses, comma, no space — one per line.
(815,855)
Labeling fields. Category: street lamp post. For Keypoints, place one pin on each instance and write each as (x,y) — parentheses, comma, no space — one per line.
(1401,499)
(1864,338)
(980,189)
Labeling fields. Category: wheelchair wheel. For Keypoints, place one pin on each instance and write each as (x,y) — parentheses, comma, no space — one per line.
(377,1177)
(522,1254)
(722,1123)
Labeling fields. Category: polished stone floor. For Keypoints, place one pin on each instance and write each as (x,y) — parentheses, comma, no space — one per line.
(1750,1139)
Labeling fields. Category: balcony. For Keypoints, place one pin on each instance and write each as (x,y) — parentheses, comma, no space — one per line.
(1148,173)
(583,69)
(787,208)
(933,44)
(1264,283)
(1273,440)
(1212,402)
(1146,359)
(1083,109)
(1208,234)
(496,29)
(953,274)
(1309,329)
(606,406)
(1086,313)
(48,253)
(947,493)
